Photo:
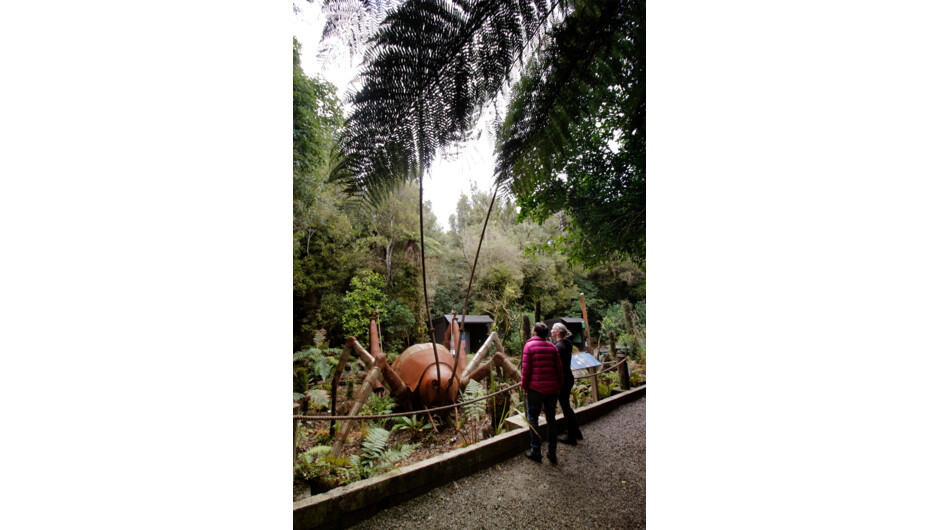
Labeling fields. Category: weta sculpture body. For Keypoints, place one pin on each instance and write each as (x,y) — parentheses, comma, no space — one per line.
(424,375)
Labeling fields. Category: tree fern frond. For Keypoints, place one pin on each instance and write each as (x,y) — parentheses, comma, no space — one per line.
(432,65)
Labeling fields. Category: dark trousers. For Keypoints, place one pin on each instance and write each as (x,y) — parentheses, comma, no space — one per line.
(534,402)
(571,423)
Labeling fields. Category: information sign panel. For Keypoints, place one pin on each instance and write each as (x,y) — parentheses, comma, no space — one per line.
(583,361)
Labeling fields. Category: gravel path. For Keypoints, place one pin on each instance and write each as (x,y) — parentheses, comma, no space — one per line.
(600,483)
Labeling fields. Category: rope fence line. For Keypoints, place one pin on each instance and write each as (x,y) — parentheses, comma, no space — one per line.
(438,409)
(412,413)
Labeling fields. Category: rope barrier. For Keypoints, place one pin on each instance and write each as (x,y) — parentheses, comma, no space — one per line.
(437,409)
(412,413)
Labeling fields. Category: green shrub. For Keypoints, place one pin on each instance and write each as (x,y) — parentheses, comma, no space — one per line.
(320,363)
(412,424)
(367,294)
(378,405)
(637,373)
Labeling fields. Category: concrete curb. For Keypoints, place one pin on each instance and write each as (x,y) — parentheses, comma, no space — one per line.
(344,506)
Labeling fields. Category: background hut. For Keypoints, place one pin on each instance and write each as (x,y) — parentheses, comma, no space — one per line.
(476,330)
(574,325)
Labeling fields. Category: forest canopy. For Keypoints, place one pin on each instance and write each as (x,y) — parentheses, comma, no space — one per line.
(569,214)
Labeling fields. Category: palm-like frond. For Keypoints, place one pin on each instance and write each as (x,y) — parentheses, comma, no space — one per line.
(348,24)
(431,67)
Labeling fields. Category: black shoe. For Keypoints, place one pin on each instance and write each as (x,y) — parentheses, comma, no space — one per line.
(565,439)
(579,436)
(531,455)
(552,458)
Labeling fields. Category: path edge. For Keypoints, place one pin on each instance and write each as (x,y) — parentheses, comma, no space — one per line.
(344,506)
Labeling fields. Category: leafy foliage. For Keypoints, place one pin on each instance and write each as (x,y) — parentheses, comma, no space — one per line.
(378,405)
(321,224)
(373,443)
(413,424)
(574,138)
(317,116)
(322,363)
(300,380)
(473,391)
(637,372)
(376,456)
(397,327)
(367,294)
(309,465)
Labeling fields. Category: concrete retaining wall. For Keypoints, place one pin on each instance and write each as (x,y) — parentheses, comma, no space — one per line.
(344,506)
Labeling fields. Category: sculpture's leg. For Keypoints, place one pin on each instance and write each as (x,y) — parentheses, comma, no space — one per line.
(361,397)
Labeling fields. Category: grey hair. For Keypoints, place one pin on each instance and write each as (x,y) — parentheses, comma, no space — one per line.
(561,328)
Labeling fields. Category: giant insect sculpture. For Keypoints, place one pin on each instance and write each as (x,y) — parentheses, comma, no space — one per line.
(423,375)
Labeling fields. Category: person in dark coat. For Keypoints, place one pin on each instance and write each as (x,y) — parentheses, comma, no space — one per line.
(562,337)
(542,378)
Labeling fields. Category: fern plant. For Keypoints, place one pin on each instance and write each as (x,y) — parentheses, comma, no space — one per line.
(376,456)
(310,465)
(474,390)
(473,412)
(320,363)
(373,443)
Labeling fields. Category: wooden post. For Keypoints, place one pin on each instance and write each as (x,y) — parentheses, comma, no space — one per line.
(526,328)
(367,384)
(337,374)
(296,422)
(594,393)
(587,328)
(624,371)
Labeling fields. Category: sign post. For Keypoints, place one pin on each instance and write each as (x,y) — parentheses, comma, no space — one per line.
(586,361)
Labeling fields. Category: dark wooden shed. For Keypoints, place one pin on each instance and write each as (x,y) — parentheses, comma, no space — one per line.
(574,325)
(476,329)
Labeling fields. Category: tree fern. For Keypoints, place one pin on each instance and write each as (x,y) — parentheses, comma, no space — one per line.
(431,67)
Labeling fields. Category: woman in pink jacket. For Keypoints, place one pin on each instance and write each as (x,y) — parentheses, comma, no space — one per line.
(541,380)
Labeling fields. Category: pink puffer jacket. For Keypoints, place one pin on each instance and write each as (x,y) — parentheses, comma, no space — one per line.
(541,366)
